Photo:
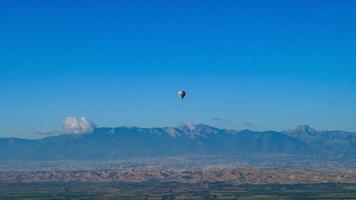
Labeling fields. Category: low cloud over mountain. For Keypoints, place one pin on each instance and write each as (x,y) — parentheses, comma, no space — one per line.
(72,125)
(78,125)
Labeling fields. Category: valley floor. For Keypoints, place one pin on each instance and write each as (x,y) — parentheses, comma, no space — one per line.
(173,190)
(261,183)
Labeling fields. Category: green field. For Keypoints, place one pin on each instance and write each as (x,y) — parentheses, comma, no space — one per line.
(173,190)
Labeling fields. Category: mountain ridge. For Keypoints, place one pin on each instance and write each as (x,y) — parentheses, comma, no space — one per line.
(129,142)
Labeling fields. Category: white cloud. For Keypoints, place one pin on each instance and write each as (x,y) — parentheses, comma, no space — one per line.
(78,125)
(72,125)
(188,125)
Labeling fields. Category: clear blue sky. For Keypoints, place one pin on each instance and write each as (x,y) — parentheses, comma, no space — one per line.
(264,65)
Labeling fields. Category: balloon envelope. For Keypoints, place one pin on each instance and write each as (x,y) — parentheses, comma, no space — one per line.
(181,94)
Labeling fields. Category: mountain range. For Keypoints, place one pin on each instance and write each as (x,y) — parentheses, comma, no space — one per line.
(134,142)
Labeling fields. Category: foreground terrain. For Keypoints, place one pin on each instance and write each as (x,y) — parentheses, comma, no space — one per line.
(179,183)
(236,175)
(173,190)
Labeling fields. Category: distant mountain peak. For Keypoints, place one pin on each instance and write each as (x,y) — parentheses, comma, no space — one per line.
(303,130)
(197,129)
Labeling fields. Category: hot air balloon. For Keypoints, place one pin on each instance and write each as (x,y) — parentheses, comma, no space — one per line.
(181,94)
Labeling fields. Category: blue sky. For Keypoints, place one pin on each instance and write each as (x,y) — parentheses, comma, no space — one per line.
(253,64)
